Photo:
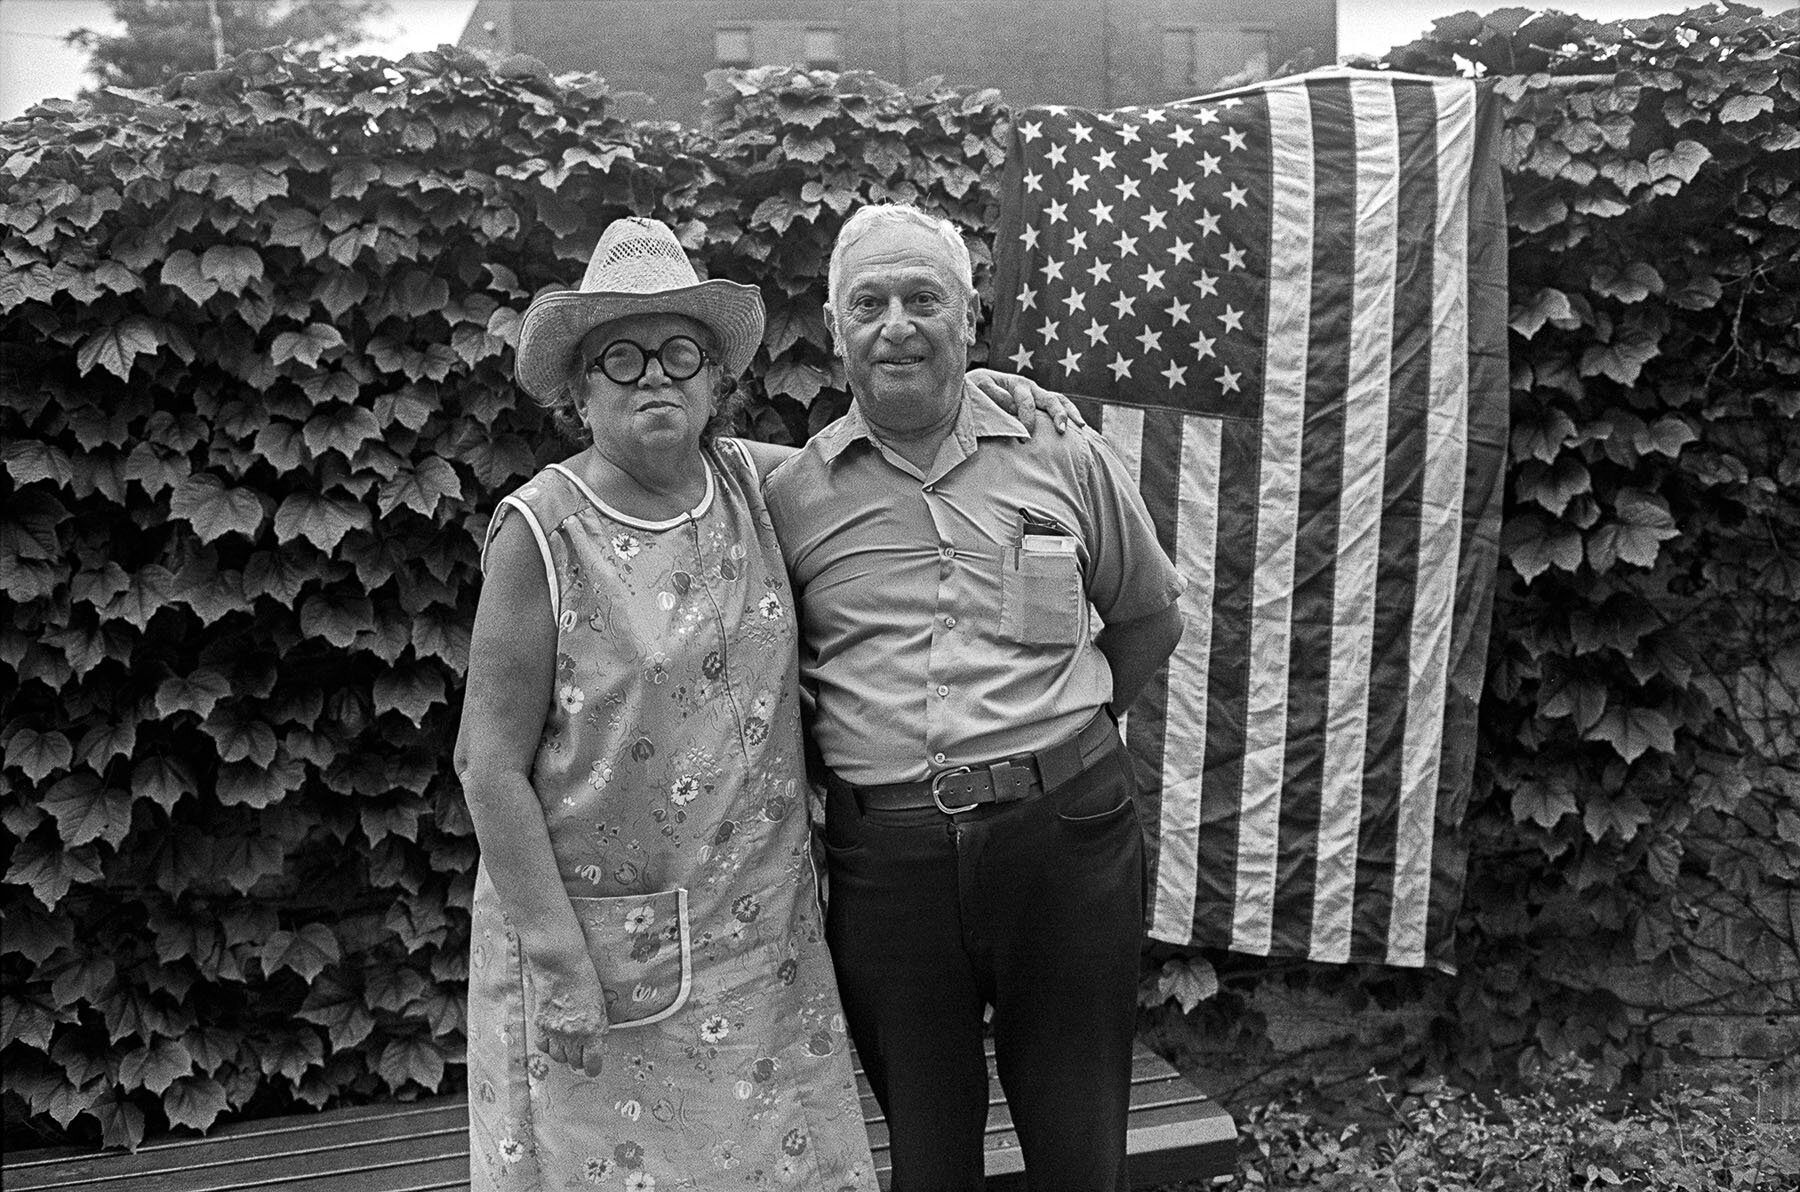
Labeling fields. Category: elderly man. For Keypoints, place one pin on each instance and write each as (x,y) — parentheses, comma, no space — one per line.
(984,847)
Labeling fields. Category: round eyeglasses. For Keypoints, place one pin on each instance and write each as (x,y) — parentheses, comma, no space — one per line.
(624,362)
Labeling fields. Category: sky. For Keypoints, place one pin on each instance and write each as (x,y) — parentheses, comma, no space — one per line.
(35,63)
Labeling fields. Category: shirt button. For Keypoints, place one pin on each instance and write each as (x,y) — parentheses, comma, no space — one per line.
(947,552)
(943,691)
(949,622)
(931,488)
(938,758)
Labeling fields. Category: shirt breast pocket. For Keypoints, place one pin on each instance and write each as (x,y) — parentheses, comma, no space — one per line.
(1041,598)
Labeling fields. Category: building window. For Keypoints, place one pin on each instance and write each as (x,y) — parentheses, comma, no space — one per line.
(1202,58)
(778,43)
(731,45)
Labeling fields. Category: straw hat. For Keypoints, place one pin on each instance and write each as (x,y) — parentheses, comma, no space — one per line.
(637,268)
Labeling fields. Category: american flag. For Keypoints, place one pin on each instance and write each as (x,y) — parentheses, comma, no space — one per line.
(1288,304)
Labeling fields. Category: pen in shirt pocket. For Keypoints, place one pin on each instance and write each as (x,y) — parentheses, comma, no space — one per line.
(1040,533)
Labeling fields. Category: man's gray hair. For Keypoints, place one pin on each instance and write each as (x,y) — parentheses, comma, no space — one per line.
(886,215)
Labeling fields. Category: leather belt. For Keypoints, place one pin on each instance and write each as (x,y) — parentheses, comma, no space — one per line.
(1008,780)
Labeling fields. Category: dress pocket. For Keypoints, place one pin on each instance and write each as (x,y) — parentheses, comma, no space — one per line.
(640,947)
(1041,600)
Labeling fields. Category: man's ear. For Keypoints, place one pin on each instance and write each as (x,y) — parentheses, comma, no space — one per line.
(831,325)
(971,316)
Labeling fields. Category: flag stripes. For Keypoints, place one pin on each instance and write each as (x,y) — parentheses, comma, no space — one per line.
(1287,312)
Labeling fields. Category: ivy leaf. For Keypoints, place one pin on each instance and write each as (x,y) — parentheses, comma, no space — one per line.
(421,487)
(240,740)
(290,1053)
(116,345)
(416,1059)
(1633,731)
(1641,524)
(156,468)
(393,987)
(247,784)
(232,266)
(498,459)
(1623,813)
(1624,358)
(1545,306)
(307,346)
(306,951)
(1667,435)
(791,378)
(39,755)
(86,809)
(1535,544)
(1740,108)
(182,271)
(194,1101)
(1683,161)
(1543,438)
(214,510)
(1189,980)
(28,461)
(165,781)
(197,693)
(29,1020)
(343,429)
(1543,804)
(337,617)
(409,406)
(322,521)
(412,692)
(156,1065)
(278,574)
(1565,693)
(121,1122)
(51,869)
(1636,282)
(246,859)
(340,1010)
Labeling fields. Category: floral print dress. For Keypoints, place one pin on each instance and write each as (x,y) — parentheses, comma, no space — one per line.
(671,778)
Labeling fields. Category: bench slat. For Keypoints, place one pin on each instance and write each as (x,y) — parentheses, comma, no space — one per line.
(1175,1133)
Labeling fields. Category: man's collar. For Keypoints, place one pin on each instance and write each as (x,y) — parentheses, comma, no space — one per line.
(977,418)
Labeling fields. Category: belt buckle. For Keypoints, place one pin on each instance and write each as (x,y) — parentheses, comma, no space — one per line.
(938,799)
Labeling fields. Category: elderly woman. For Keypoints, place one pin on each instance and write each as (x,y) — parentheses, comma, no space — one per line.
(650,999)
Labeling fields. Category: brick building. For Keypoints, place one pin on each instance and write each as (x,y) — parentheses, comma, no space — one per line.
(1089,53)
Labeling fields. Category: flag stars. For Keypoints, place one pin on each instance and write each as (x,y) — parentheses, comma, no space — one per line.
(1127,245)
(1184,191)
(1121,367)
(1181,134)
(1027,298)
(1233,318)
(1078,240)
(1031,237)
(1021,359)
(1059,154)
(1081,132)
(1096,332)
(1154,220)
(1152,340)
(1076,300)
(1176,374)
(1102,212)
(1235,138)
(1100,271)
(1237,196)
(1207,284)
(1209,164)
(1181,251)
(1031,130)
(1057,211)
(1048,330)
(1126,307)
(1103,160)
(1234,257)
(1154,116)
(1052,269)
(1034,182)
(1209,223)
(1128,133)
(1128,188)
(1078,181)
(1209,116)
(1202,345)
(1177,312)
(1157,160)
(1228,382)
(1152,279)
(1071,361)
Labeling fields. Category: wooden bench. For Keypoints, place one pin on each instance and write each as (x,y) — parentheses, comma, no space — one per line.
(423,1146)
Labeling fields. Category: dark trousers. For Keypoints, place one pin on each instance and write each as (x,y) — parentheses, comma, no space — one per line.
(1034,908)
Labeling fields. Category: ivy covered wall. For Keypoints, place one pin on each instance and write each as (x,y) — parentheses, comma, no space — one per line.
(256,405)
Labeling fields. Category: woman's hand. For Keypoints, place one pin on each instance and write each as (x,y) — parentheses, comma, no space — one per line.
(571,1026)
(1023,398)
